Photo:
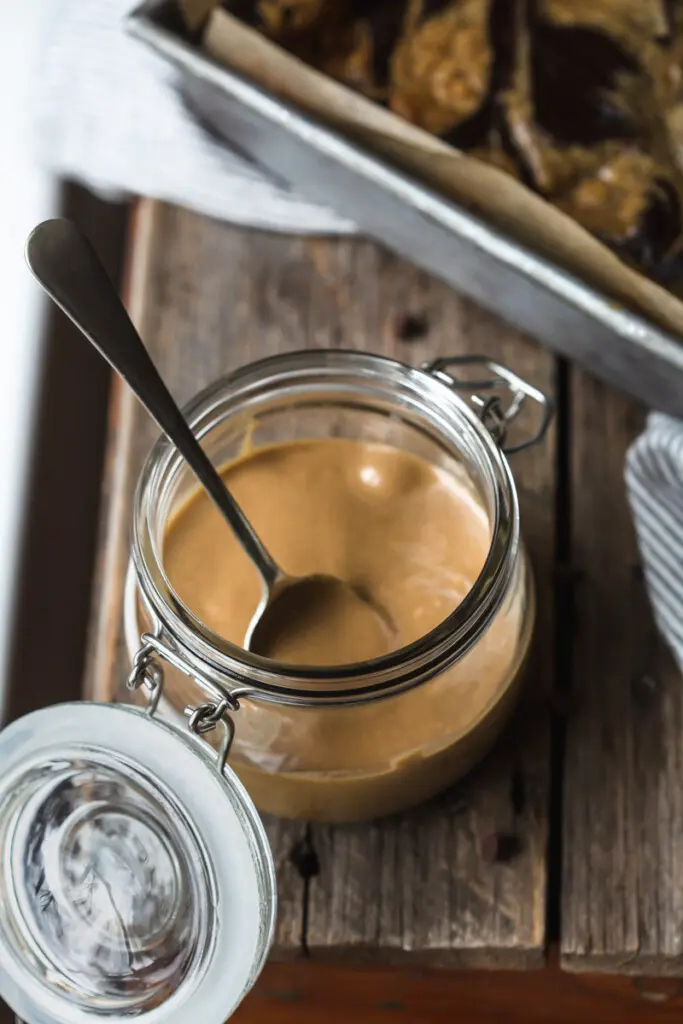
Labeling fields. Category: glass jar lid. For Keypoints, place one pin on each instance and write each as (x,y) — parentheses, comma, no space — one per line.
(136,879)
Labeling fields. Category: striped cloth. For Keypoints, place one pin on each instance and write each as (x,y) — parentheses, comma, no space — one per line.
(654,480)
(107,114)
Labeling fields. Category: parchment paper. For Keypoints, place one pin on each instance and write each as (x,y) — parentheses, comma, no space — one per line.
(485,190)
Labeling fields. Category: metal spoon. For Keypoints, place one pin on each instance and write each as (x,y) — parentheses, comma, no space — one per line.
(68,268)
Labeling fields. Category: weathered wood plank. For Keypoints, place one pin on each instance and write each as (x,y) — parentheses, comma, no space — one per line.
(207,298)
(194,335)
(622,905)
(417,887)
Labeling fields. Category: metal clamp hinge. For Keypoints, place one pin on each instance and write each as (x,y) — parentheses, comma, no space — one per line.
(492,412)
(147,671)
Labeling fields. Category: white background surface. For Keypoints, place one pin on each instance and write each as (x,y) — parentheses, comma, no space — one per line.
(27,195)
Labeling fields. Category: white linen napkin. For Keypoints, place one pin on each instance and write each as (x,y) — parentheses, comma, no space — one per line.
(107,114)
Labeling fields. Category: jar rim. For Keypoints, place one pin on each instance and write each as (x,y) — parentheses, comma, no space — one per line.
(182,792)
(209,654)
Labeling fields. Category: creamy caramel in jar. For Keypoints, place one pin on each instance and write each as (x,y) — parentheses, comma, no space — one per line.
(414,538)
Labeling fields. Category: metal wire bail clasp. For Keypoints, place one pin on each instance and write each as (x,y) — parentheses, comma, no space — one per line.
(493,413)
(206,717)
(147,671)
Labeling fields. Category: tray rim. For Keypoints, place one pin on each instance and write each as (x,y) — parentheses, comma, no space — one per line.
(631,327)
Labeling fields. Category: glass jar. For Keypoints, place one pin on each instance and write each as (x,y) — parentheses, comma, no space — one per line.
(370,739)
(136,879)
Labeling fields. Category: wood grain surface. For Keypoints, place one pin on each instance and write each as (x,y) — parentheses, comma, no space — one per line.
(622,886)
(207,298)
(309,993)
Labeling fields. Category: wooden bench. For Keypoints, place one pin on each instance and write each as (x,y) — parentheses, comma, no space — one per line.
(589,775)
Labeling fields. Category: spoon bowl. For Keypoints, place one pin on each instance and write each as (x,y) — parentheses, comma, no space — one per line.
(316,614)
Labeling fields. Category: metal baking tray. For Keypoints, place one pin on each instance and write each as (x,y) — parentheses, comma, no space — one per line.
(435,233)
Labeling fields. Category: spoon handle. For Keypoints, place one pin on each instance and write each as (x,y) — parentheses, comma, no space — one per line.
(68,268)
